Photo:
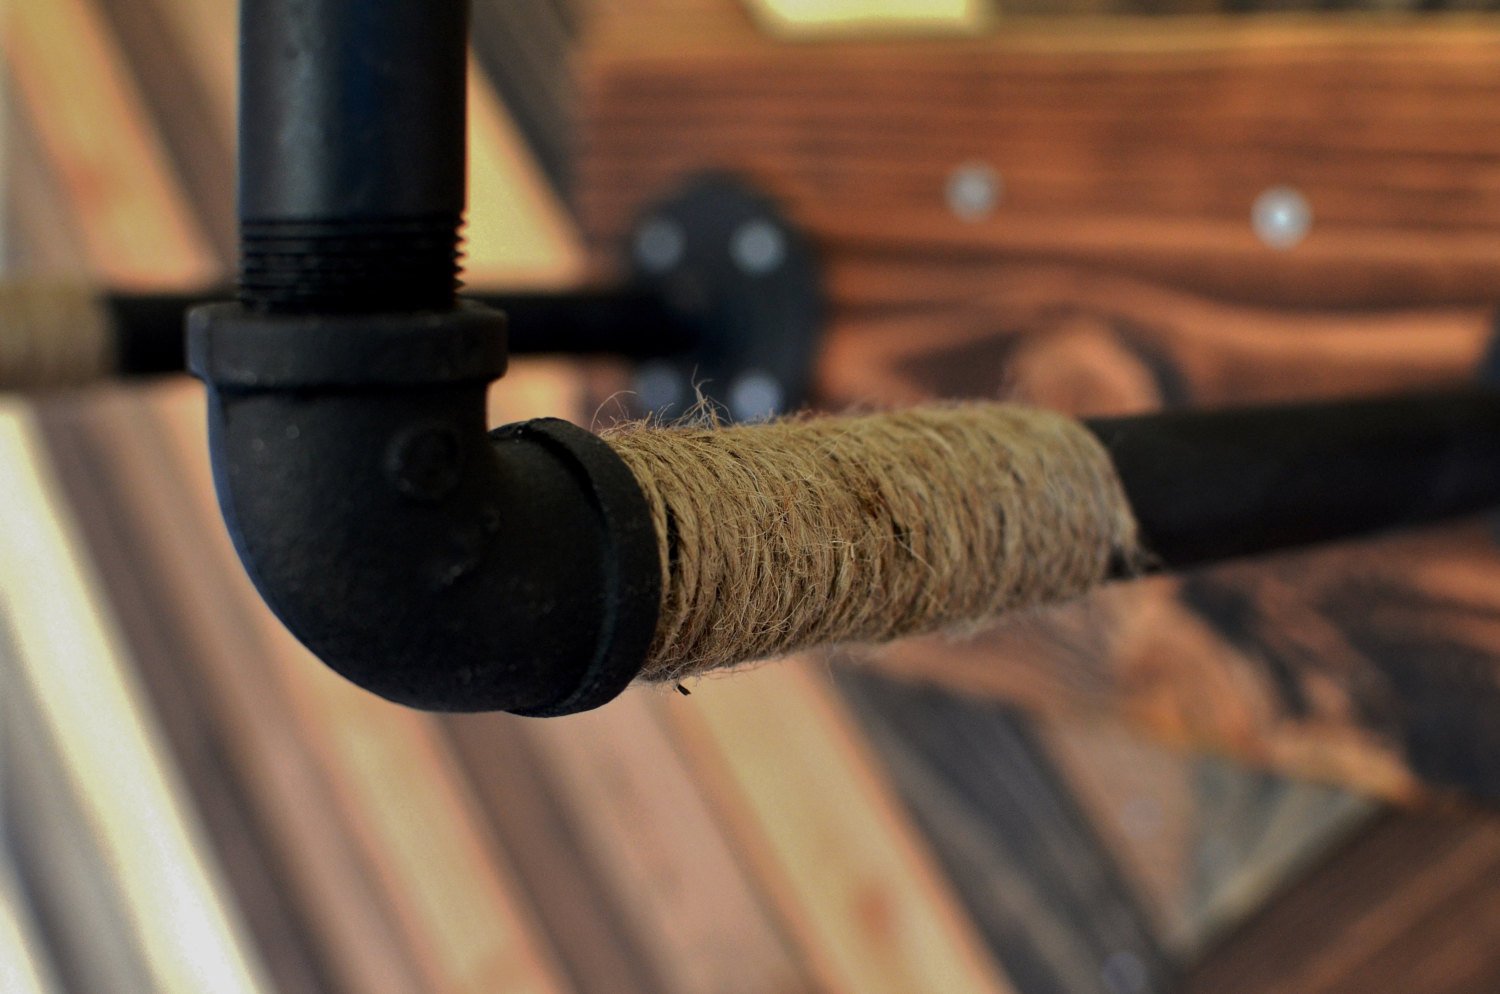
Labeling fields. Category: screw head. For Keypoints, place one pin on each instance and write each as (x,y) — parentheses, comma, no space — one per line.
(755,395)
(659,245)
(1281,217)
(658,385)
(758,247)
(974,191)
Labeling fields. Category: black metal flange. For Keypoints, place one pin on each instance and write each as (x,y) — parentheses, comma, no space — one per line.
(729,264)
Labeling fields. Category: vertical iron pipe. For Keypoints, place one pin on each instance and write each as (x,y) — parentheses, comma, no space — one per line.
(351,153)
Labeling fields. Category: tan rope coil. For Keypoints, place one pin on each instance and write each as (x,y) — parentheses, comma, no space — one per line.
(52,334)
(783,536)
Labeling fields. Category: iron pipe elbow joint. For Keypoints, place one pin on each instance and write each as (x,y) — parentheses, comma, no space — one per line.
(426,559)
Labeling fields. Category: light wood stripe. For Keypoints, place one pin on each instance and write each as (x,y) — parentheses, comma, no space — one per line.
(76,666)
(801,794)
(96,136)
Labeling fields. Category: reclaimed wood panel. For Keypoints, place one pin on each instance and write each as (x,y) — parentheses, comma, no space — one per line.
(252,772)
(96,135)
(92,714)
(1409,906)
(1034,875)
(1203,842)
(1136,147)
(257,762)
(699,917)
(23,965)
(183,104)
(816,819)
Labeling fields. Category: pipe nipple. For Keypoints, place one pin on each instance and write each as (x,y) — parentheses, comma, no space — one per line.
(345,266)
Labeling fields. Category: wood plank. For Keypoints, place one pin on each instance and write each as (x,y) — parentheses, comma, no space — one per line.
(42,236)
(1136,149)
(72,656)
(189,126)
(265,810)
(1034,877)
(1160,651)
(1410,906)
(1202,842)
(518,232)
(74,898)
(97,136)
(859,143)
(1095,343)
(803,797)
(207,32)
(697,916)
(23,965)
(870,18)
(525,47)
(595,939)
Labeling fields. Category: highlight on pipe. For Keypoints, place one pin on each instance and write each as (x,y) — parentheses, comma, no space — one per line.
(811,531)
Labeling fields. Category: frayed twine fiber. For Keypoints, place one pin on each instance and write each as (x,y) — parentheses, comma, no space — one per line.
(780,537)
(52,334)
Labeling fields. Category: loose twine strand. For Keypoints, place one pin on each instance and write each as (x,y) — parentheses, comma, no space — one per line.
(52,334)
(780,537)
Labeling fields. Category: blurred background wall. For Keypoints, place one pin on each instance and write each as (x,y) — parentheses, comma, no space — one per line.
(1273,776)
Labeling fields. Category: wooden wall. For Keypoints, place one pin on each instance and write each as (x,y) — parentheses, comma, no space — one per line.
(801,827)
(1111,262)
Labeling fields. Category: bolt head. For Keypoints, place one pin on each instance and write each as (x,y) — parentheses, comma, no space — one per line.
(659,245)
(1281,217)
(758,247)
(755,395)
(659,386)
(974,191)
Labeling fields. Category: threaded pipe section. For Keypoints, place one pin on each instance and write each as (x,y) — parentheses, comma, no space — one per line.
(350,266)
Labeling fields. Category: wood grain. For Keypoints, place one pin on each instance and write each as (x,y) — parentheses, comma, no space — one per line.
(188,121)
(820,826)
(179,655)
(1034,876)
(96,134)
(1135,149)
(1409,906)
(92,709)
(23,965)
(1202,842)
(698,916)
(1118,272)
(42,237)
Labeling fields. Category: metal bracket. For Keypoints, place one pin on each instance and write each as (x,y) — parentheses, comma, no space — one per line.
(731,265)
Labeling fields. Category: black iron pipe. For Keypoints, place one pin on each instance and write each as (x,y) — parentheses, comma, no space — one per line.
(624,323)
(1212,485)
(351,185)
(430,562)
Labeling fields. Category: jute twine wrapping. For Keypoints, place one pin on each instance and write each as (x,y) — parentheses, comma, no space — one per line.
(784,536)
(52,334)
